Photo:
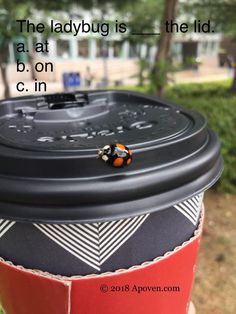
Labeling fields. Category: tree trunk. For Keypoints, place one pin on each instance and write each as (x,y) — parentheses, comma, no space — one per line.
(233,86)
(141,72)
(163,47)
(32,68)
(3,68)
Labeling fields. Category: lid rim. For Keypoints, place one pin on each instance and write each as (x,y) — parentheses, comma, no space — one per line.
(184,192)
(109,189)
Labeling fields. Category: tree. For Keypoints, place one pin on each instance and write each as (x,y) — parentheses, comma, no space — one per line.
(220,12)
(162,65)
(9,12)
(143,16)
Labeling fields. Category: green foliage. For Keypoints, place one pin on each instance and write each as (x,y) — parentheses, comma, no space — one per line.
(214,102)
(142,16)
(159,77)
(1,310)
(218,106)
(10,11)
(220,12)
(144,66)
(191,62)
(162,68)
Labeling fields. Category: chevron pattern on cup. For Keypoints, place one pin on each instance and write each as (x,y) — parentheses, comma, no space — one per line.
(92,243)
(5,225)
(191,208)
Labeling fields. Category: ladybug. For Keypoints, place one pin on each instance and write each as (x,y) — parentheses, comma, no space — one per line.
(117,155)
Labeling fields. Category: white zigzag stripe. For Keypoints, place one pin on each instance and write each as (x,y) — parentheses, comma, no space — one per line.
(191,208)
(76,242)
(5,225)
(82,233)
(92,243)
(85,241)
(119,231)
(106,237)
(106,254)
(76,252)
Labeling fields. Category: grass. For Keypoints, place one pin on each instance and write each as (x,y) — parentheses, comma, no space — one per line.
(215,283)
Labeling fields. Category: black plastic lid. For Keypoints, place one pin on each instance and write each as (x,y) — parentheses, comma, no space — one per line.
(49,170)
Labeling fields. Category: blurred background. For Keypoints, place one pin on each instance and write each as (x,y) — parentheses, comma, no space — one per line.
(193,69)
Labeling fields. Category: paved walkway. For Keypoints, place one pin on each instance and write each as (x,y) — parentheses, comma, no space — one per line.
(204,74)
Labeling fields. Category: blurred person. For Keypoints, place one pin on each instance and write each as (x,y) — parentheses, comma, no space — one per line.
(88,77)
(230,65)
(77,80)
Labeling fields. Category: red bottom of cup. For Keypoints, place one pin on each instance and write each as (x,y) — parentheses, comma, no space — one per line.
(162,286)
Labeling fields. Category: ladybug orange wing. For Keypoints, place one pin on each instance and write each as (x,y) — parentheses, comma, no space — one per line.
(118,162)
(128,162)
(121,146)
